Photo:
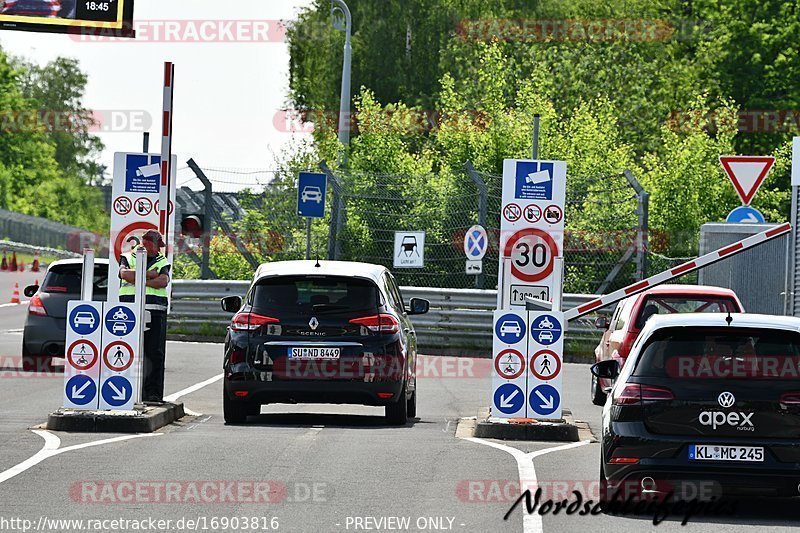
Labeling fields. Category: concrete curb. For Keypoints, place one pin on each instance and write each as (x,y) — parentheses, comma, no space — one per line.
(144,419)
(564,430)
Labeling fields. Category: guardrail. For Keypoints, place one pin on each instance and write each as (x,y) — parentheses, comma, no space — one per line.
(459,322)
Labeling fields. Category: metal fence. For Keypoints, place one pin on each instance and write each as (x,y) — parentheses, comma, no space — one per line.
(41,232)
(459,322)
(605,241)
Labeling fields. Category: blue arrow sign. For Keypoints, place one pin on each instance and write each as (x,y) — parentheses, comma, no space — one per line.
(545,400)
(508,398)
(84,320)
(117,391)
(81,389)
(120,320)
(311,190)
(510,329)
(546,330)
(746,215)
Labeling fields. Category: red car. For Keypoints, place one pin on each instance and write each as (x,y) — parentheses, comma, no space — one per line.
(631,314)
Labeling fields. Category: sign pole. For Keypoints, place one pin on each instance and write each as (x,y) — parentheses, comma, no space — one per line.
(308,238)
(535,150)
(87,275)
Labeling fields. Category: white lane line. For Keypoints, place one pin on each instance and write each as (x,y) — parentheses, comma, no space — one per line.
(193,388)
(15,305)
(51,449)
(531,522)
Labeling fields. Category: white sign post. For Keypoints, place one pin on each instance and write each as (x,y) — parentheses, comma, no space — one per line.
(531,230)
(82,353)
(529,346)
(135,208)
(476,244)
(409,249)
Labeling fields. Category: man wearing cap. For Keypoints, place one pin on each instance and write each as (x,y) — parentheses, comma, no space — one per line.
(155,338)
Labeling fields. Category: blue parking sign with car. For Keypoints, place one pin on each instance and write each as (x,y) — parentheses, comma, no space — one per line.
(510,329)
(546,330)
(120,321)
(311,190)
(84,320)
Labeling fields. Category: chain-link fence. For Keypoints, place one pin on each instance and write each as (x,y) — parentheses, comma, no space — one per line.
(605,241)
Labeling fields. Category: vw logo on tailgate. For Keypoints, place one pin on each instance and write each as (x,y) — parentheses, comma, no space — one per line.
(726,399)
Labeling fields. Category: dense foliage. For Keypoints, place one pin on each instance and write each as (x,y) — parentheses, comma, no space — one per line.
(661,88)
(47,154)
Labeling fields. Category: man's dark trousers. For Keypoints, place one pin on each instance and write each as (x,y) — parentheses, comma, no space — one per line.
(155,347)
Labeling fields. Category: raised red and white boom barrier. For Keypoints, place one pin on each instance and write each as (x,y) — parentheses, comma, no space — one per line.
(166,153)
(685,268)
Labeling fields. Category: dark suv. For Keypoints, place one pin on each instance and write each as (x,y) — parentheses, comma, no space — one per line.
(46,323)
(321,332)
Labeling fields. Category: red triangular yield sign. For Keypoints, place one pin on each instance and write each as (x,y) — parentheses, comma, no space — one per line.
(747,173)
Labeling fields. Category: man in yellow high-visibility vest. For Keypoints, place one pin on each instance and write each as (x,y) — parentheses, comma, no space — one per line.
(156,302)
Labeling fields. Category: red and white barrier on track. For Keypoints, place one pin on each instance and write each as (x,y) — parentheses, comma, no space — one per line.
(685,268)
(166,152)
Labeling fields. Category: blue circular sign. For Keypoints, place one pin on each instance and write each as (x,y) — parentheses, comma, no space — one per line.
(120,321)
(476,242)
(84,320)
(508,398)
(510,329)
(81,389)
(545,400)
(546,330)
(746,215)
(117,391)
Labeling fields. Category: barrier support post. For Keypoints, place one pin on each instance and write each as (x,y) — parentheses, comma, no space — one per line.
(87,275)
(138,305)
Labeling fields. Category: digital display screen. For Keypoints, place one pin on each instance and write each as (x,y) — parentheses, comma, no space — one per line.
(89,17)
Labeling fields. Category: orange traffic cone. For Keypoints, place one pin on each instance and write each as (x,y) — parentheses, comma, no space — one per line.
(4,265)
(35,267)
(13,265)
(15,296)
(22,265)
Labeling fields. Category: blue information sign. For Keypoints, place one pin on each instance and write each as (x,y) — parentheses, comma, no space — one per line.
(311,190)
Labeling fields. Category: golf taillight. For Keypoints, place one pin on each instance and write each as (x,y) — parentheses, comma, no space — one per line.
(251,321)
(633,393)
(378,323)
(35,307)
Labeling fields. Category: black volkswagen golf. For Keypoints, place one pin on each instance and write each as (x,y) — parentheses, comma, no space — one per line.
(321,332)
(705,405)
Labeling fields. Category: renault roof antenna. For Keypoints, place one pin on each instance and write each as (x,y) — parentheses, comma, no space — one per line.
(729,318)
(317,265)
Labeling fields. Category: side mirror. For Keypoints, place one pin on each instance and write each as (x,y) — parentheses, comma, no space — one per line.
(30,290)
(602,322)
(606,369)
(231,304)
(419,306)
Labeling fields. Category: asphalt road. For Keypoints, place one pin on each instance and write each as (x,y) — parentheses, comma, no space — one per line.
(313,468)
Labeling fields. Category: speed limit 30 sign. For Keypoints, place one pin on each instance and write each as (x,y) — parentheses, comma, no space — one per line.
(530,243)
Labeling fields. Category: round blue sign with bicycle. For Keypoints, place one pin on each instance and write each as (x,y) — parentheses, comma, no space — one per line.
(120,321)
(84,320)
(510,329)
(546,330)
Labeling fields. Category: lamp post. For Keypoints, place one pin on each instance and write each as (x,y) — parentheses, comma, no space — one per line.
(343,21)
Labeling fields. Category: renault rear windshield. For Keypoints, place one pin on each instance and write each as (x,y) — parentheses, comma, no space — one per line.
(314,294)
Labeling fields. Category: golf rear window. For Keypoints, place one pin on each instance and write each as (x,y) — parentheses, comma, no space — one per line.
(319,294)
(721,353)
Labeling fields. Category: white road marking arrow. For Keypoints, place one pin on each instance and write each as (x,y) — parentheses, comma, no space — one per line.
(78,393)
(547,403)
(121,395)
(505,403)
